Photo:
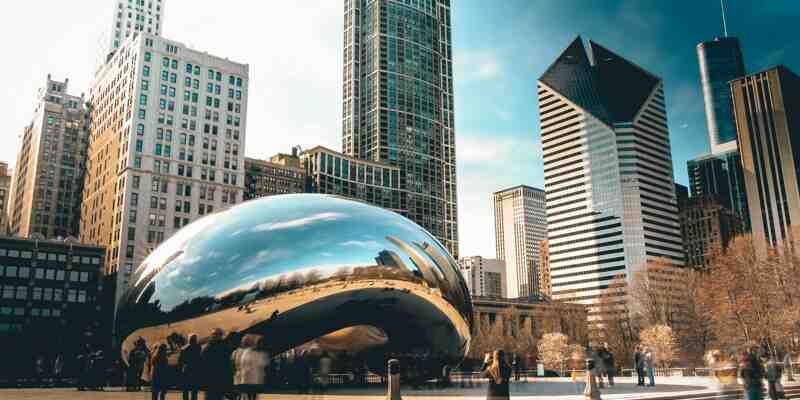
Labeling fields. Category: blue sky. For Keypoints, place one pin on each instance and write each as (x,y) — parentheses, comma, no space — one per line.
(500,48)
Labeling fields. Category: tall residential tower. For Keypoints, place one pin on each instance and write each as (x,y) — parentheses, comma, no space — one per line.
(520,225)
(167,147)
(398,102)
(131,16)
(607,171)
(48,176)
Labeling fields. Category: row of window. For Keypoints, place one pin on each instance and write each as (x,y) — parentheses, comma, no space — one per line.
(167,62)
(11,271)
(34,312)
(48,256)
(44,294)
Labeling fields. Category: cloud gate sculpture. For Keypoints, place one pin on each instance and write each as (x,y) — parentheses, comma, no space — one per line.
(311,272)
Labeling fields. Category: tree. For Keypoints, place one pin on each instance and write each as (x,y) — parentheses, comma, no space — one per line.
(616,325)
(661,341)
(657,293)
(554,350)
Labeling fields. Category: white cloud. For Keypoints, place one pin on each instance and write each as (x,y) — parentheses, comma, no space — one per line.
(476,65)
(360,243)
(299,222)
(473,149)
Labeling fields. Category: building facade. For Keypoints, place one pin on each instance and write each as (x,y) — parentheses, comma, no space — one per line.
(767,111)
(484,276)
(611,203)
(707,227)
(48,177)
(720,176)
(398,102)
(520,225)
(545,283)
(5,196)
(720,62)
(380,184)
(132,16)
(266,178)
(167,146)
(54,301)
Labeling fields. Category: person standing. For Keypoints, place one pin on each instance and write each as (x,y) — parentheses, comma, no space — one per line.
(515,366)
(649,364)
(325,370)
(251,361)
(608,361)
(189,368)
(787,365)
(752,374)
(600,365)
(499,375)
(159,371)
(137,358)
(638,364)
(214,360)
(58,368)
(774,373)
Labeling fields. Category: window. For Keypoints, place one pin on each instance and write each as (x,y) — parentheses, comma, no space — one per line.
(140,129)
(139,145)
(146,71)
(189,69)
(145,85)
(147,56)
(165,62)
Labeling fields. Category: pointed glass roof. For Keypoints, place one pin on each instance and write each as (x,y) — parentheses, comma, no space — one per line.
(608,86)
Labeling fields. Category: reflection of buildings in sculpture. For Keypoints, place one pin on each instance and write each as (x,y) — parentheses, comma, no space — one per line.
(485,277)
(520,224)
(389,259)
(423,267)
(331,172)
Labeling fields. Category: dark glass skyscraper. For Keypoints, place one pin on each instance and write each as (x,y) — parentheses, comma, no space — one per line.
(398,102)
(720,62)
(719,176)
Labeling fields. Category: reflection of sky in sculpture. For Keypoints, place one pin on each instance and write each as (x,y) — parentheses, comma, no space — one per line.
(259,240)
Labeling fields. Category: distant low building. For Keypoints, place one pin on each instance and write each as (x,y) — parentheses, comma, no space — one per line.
(484,276)
(331,172)
(267,178)
(707,228)
(54,300)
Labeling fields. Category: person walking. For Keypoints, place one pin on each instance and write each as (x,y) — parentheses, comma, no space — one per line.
(600,365)
(251,362)
(215,360)
(774,373)
(159,371)
(499,374)
(649,364)
(189,368)
(638,364)
(752,374)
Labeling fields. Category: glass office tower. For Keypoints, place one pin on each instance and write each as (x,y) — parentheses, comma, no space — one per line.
(398,102)
(720,62)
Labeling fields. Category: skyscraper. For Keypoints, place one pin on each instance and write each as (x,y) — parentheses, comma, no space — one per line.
(48,178)
(607,170)
(167,146)
(767,111)
(720,62)
(398,102)
(5,195)
(707,228)
(131,16)
(520,225)
(719,176)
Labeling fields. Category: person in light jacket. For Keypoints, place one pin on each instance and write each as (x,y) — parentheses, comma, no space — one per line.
(251,361)
(649,364)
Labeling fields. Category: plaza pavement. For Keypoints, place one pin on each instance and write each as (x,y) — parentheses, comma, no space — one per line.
(551,388)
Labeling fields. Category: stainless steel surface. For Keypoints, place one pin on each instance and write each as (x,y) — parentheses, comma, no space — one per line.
(305,271)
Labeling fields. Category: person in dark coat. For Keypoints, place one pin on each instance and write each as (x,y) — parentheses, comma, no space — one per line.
(638,364)
(752,375)
(159,373)
(215,361)
(189,368)
(137,358)
(499,374)
(608,364)
(84,367)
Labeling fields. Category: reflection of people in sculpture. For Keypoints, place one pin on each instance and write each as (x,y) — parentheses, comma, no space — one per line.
(324,369)
(137,357)
(250,364)
(214,358)
(159,373)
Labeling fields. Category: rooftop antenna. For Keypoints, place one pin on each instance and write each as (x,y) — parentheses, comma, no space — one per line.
(724,23)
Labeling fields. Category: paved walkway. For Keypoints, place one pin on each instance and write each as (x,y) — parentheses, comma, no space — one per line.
(557,389)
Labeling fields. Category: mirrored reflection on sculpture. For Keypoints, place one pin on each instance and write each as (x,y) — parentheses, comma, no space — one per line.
(309,273)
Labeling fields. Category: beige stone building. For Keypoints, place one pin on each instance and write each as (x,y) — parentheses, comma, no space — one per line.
(167,147)
(279,175)
(48,177)
(5,195)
